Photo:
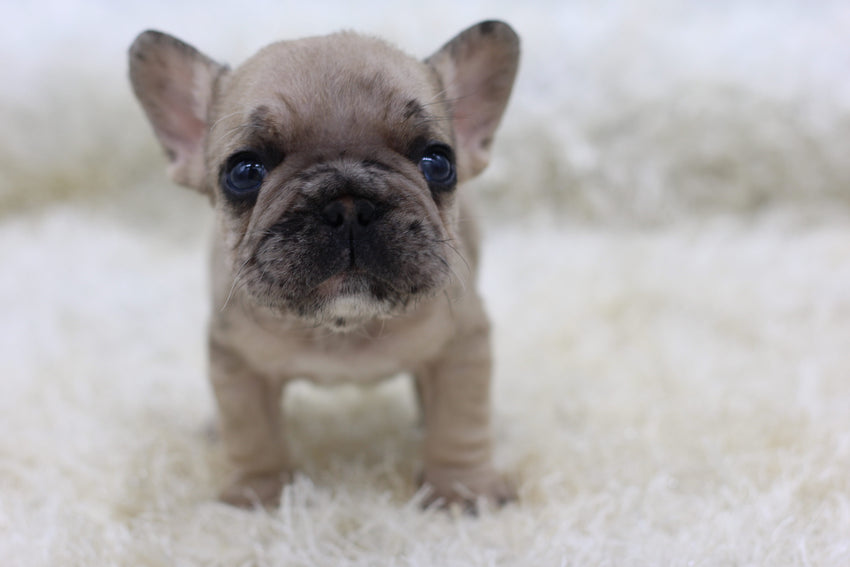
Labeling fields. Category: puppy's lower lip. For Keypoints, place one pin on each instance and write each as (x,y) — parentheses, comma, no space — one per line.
(349,281)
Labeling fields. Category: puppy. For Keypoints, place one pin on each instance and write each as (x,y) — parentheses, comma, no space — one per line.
(343,247)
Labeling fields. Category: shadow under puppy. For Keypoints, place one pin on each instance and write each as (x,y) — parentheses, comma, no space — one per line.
(343,250)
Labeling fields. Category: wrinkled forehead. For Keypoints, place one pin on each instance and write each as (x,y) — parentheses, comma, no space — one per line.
(330,93)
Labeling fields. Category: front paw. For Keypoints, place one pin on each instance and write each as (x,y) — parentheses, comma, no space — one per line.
(466,488)
(256,490)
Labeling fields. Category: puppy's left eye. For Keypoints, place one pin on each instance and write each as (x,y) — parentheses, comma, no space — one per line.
(438,167)
(244,175)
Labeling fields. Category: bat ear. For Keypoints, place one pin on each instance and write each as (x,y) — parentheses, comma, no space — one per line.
(174,83)
(477,69)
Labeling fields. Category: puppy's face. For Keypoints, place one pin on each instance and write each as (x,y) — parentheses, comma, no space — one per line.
(335,183)
(333,161)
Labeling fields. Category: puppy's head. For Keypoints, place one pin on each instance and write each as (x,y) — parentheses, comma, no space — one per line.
(333,162)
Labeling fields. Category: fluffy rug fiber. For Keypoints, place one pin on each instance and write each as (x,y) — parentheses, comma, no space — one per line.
(666,263)
(669,397)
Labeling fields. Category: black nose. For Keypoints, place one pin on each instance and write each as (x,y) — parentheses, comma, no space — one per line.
(348,212)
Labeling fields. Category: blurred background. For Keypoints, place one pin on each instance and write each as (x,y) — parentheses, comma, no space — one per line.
(629,112)
(666,263)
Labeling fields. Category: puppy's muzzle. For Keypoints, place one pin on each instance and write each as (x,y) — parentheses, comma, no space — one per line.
(349,238)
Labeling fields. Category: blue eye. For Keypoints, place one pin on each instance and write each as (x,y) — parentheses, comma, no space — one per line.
(437,165)
(244,175)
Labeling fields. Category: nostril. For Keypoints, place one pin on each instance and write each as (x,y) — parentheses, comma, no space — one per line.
(347,211)
(334,214)
(365,211)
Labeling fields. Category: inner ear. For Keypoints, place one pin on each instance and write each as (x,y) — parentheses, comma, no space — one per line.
(477,69)
(174,83)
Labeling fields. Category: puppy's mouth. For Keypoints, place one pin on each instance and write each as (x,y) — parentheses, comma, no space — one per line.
(355,281)
(351,298)
(350,262)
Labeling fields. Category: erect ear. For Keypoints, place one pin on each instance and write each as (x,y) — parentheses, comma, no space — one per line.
(477,69)
(174,83)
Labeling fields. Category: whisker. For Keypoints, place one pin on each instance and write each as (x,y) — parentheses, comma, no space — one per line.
(236,282)
(215,124)
(449,301)
(454,249)
(452,273)
(228,133)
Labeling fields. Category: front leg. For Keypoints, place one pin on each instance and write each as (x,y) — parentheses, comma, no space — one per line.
(454,393)
(250,414)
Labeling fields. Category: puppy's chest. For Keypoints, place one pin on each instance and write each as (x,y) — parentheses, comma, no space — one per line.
(344,364)
(324,357)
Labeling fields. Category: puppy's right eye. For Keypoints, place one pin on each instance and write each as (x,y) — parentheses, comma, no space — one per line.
(244,175)
(438,167)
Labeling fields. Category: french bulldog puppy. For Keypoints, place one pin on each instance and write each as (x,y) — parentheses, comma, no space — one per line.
(343,249)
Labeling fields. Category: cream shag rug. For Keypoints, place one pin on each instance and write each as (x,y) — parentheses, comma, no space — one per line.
(672,335)
(676,397)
